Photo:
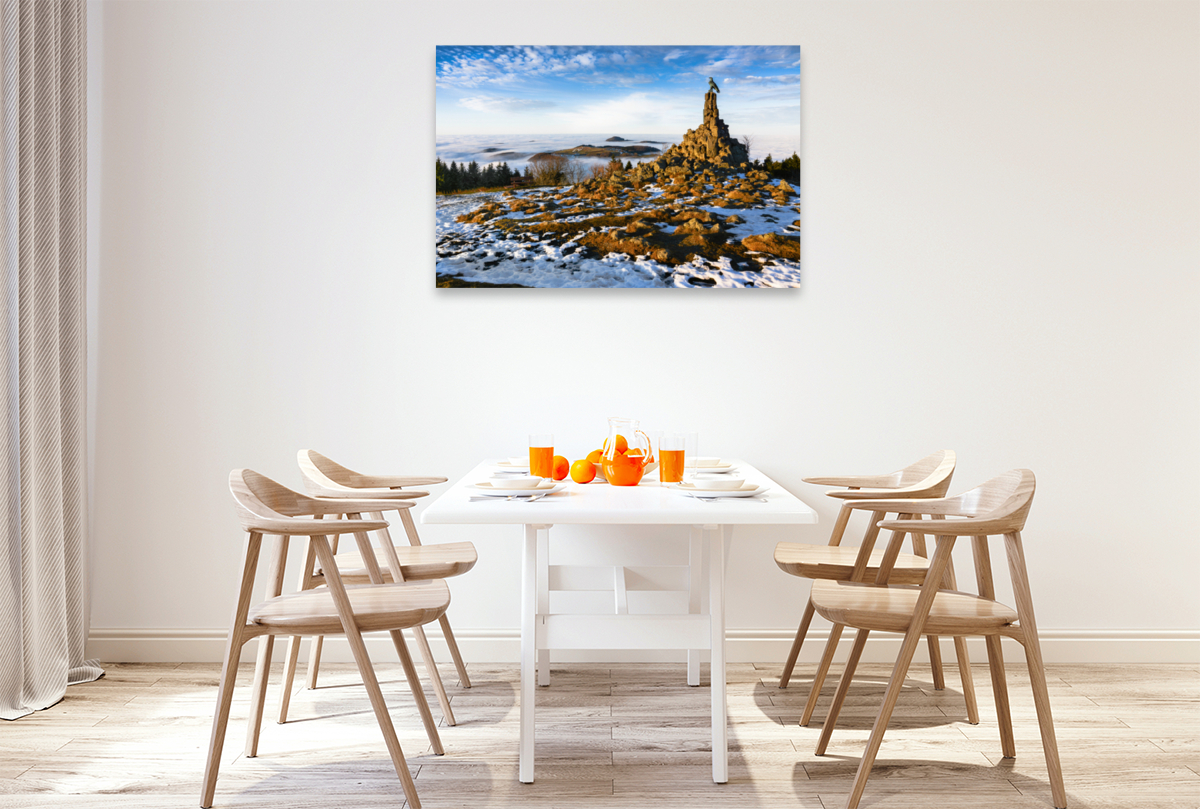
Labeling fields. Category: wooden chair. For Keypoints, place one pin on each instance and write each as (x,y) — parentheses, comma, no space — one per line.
(264,507)
(998,507)
(928,477)
(405,563)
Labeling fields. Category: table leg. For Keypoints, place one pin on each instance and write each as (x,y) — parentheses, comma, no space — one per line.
(529,600)
(716,607)
(543,599)
(695,566)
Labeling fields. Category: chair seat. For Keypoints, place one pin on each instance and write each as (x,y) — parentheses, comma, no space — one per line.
(837,563)
(889,608)
(376,607)
(417,562)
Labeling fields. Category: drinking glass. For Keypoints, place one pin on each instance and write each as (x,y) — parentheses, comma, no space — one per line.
(672,450)
(541,455)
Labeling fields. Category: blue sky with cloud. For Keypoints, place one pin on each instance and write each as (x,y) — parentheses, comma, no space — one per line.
(620,90)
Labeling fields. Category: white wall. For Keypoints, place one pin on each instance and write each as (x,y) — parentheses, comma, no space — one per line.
(1000,256)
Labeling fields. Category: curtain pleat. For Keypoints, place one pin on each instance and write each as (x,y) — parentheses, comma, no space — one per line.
(43,571)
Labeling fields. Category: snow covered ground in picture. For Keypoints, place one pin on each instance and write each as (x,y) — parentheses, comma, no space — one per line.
(707,207)
(494,252)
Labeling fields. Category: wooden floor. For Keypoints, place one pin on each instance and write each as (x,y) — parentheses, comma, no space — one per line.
(610,736)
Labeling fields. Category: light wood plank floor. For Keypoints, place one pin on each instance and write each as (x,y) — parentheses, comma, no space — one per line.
(610,736)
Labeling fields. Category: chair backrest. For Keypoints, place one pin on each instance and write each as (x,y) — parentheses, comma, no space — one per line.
(324,477)
(999,506)
(260,500)
(928,477)
(322,473)
(1003,501)
(935,468)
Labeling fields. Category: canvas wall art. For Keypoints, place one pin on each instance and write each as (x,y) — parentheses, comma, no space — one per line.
(618,166)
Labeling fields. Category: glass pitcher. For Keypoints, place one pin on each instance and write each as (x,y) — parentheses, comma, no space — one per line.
(628,453)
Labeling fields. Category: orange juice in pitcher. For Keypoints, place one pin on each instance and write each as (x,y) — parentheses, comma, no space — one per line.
(627,453)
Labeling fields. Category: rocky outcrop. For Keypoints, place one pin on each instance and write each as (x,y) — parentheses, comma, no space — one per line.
(707,146)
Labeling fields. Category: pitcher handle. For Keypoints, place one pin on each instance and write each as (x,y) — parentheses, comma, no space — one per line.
(649,446)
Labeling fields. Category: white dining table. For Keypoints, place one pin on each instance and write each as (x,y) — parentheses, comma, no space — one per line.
(597,503)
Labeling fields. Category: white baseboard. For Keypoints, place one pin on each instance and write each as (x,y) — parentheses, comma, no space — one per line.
(742,646)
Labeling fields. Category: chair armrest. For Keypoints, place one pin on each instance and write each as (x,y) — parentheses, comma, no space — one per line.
(398,481)
(878,494)
(856,481)
(348,505)
(915,505)
(360,494)
(309,528)
(949,528)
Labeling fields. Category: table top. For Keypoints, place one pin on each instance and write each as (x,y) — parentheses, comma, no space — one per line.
(596,503)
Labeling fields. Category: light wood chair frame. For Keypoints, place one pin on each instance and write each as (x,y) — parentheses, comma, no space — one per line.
(997,508)
(267,509)
(326,478)
(929,477)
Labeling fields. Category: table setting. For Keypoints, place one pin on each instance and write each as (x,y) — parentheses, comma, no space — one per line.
(631,479)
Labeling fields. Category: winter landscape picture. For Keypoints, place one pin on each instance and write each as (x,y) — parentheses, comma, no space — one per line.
(618,166)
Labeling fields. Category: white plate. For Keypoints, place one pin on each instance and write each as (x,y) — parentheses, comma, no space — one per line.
(709,470)
(509,466)
(747,490)
(708,465)
(498,488)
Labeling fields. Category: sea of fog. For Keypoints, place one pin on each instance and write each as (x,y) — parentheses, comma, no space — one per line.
(517,149)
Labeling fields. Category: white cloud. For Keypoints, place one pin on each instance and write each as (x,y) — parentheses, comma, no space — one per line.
(498,104)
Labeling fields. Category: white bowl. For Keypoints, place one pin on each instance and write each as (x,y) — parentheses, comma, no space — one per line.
(519,461)
(518,482)
(700,463)
(723,483)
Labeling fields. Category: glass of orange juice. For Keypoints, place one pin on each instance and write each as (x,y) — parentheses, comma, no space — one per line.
(541,455)
(672,448)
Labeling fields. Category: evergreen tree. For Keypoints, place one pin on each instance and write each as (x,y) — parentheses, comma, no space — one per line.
(455,177)
(473,178)
(441,176)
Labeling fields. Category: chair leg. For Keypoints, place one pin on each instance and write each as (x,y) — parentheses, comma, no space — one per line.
(464,679)
(262,666)
(1037,669)
(839,697)
(895,685)
(935,662)
(434,676)
(314,661)
(790,663)
(220,722)
(968,682)
(374,693)
(1008,743)
(289,676)
(233,651)
(258,694)
(414,684)
(912,638)
(964,658)
(367,672)
(835,634)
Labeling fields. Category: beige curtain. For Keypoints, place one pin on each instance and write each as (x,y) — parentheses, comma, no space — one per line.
(43,496)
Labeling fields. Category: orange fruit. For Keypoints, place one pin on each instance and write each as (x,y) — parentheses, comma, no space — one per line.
(583,471)
(635,451)
(595,455)
(622,444)
(560,466)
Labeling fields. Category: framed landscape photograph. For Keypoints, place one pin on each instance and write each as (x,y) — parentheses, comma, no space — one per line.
(615,166)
